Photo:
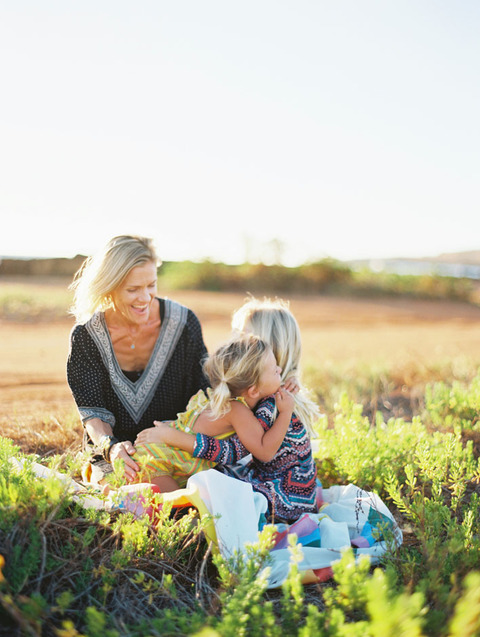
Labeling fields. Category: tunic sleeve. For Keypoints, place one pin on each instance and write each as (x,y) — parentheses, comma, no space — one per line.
(87,377)
(227,451)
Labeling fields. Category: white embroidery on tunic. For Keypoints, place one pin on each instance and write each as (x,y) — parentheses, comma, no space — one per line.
(136,397)
(87,413)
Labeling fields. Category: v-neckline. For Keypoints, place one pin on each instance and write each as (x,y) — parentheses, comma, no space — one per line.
(136,396)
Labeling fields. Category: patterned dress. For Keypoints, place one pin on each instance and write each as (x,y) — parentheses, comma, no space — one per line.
(288,481)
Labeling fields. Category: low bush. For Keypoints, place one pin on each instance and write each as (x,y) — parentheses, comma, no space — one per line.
(70,571)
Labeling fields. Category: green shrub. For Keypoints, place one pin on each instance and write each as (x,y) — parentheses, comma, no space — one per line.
(454,405)
(69,571)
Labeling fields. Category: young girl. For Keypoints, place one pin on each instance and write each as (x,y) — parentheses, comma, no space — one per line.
(241,373)
(288,480)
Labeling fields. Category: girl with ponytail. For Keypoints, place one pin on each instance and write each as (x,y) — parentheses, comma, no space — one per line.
(288,479)
(241,373)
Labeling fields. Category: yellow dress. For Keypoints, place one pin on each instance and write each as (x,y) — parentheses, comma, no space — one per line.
(158,459)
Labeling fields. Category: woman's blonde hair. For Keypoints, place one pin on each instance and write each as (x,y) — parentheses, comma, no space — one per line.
(273,322)
(101,274)
(234,367)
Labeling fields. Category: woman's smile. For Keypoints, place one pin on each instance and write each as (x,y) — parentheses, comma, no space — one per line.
(135,296)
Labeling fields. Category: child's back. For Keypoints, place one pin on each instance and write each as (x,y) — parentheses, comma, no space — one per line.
(288,480)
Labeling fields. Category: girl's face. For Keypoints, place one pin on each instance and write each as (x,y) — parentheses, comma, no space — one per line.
(135,296)
(271,376)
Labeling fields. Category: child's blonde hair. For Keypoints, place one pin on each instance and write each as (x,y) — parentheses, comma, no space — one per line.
(233,368)
(273,322)
(101,274)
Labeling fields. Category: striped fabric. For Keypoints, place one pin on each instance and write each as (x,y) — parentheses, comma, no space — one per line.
(161,460)
(156,459)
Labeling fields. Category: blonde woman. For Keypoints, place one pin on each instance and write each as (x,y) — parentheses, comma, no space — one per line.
(289,479)
(134,356)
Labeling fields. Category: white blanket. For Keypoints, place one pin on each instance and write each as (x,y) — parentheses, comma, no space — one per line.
(349,516)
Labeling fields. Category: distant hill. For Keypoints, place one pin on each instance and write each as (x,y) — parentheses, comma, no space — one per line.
(41,267)
(456,264)
(471,257)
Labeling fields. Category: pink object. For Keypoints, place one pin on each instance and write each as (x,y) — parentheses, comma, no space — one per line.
(137,499)
(324,574)
(319,501)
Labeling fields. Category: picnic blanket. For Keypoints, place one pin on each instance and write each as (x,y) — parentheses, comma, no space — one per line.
(349,517)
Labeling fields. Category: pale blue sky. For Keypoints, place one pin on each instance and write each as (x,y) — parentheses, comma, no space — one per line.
(341,128)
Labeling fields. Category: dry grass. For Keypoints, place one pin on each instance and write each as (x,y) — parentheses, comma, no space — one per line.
(382,351)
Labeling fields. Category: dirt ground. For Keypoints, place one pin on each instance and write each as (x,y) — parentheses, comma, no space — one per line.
(334,330)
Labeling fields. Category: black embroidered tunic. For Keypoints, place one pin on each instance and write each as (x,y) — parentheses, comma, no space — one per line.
(173,374)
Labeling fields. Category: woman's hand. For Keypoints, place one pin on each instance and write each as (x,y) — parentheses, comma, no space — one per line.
(123,451)
(292,385)
(284,400)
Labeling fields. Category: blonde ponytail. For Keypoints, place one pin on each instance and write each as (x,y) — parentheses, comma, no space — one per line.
(233,368)
(220,397)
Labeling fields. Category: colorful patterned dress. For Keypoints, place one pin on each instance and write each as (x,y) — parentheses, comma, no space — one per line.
(288,481)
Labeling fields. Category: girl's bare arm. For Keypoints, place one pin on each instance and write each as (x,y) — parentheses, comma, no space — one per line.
(263,444)
(164,433)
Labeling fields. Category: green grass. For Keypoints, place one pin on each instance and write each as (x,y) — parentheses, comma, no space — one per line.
(69,571)
(37,298)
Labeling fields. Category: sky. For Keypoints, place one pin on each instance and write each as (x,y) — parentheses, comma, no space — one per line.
(269,130)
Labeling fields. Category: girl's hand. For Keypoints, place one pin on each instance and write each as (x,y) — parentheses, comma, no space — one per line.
(292,385)
(284,400)
(152,434)
(122,451)
(164,431)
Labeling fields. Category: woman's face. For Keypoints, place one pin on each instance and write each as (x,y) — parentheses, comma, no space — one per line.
(134,297)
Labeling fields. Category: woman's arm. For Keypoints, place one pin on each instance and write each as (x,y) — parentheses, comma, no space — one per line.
(195,354)
(86,376)
(99,433)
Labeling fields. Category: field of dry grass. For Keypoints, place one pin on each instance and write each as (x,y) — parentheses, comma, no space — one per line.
(412,337)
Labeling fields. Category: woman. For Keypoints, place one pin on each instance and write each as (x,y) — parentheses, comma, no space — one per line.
(134,357)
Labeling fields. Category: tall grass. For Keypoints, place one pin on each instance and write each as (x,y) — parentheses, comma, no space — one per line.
(325,276)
